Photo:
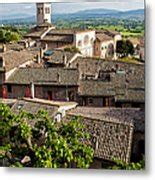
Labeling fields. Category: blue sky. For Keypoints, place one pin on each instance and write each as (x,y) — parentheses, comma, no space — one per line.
(29,8)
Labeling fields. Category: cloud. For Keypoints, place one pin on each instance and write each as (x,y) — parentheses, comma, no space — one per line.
(28,7)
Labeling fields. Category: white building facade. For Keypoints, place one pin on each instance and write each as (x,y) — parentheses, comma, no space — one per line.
(84,41)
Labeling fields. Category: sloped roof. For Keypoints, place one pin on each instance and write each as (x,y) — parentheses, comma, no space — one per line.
(68,31)
(96,88)
(110,129)
(37,31)
(126,79)
(58,56)
(33,107)
(13,59)
(57,38)
(135,116)
(44,76)
(103,37)
(110,33)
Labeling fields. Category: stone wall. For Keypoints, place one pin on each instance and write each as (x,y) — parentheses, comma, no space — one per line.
(43,92)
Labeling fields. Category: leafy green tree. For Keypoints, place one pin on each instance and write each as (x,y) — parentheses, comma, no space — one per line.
(9,34)
(72,49)
(2,35)
(128,166)
(35,140)
(124,48)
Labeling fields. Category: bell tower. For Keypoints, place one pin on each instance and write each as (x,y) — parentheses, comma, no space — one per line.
(43,13)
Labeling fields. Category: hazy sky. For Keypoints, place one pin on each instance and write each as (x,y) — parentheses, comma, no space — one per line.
(29,8)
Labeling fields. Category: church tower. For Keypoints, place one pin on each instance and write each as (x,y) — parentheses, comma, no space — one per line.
(43,13)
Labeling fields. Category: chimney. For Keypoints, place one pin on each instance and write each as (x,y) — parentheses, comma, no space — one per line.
(58,77)
(2,63)
(4,48)
(38,59)
(46,47)
(41,53)
(65,59)
(32,90)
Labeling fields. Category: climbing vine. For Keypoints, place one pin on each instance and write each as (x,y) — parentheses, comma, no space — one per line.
(36,140)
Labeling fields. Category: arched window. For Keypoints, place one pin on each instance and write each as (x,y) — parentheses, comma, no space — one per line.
(79,43)
(110,49)
(86,40)
(39,11)
(92,41)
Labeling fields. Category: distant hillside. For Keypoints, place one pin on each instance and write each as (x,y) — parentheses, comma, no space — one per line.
(101,13)
(86,14)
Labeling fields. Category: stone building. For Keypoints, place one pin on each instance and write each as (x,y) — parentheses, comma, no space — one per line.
(45,83)
(89,42)
(43,13)
(59,58)
(116,133)
(15,56)
(110,83)
(81,39)
(104,46)
(107,84)
(55,109)
(2,75)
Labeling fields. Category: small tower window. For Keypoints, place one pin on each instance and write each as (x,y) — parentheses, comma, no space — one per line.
(47,10)
(86,40)
(39,12)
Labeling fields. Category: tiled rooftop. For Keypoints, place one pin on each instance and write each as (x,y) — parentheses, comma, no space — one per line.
(58,56)
(14,59)
(103,37)
(52,76)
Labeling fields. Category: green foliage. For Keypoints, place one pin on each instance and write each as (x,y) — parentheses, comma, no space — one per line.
(124,48)
(37,141)
(72,49)
(128,166)
(9,34)
(128,28)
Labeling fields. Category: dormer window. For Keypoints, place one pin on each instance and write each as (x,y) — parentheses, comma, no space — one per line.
(86,40)
(104,76)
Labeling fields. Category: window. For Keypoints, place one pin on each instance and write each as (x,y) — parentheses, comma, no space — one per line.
(104,76)
(9,88)
(71,95)
(39,12)
(47,10)
(20,106)
(50,95)
(86,40)
(90,101)
(92,40)
(79,43)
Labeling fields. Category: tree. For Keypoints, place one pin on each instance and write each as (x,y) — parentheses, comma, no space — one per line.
(8,34)
(128,166)
(124,48)
(35,140)
(130,48)
(72,49)
(2,35)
